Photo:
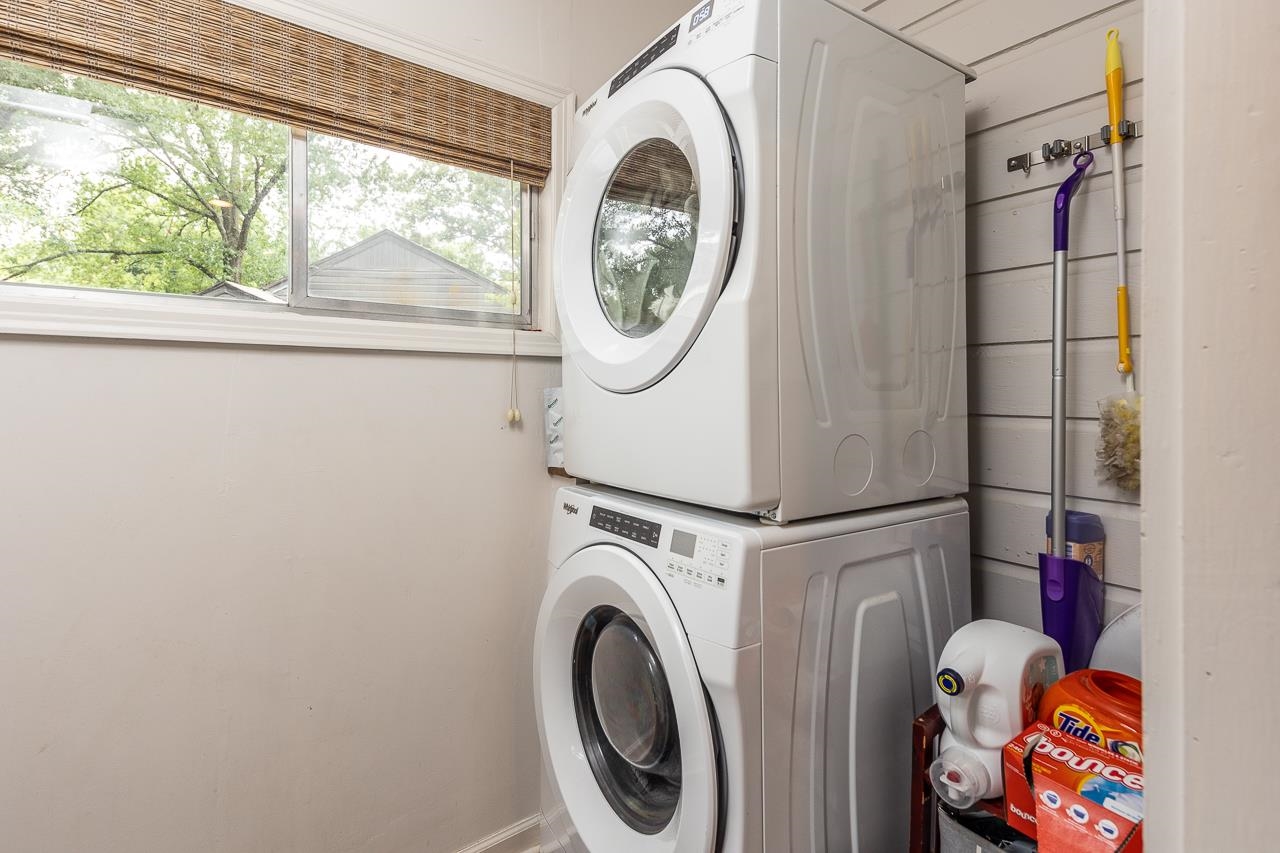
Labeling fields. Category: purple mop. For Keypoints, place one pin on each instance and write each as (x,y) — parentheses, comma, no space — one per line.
(1070,592)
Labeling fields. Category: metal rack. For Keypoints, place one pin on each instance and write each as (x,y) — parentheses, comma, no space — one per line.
(1059,148)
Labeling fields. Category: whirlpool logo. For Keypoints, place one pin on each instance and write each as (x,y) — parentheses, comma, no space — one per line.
(570,509)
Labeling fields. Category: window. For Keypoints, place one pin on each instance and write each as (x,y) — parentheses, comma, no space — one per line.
(391,232)
(110,187)
(198,147)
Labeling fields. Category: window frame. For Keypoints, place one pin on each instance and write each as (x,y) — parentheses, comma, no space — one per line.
(93,313)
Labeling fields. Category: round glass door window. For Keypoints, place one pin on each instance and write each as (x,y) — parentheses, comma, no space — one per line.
(627,719)
(646,233)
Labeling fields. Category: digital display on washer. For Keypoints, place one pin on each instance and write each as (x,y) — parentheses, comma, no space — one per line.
(683,543)
(645,59)
(635,529)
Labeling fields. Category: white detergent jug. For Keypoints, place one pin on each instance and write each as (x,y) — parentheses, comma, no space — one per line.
(990,679)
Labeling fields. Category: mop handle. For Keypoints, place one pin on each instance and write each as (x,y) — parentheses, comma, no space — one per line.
(1058,450)
(1115,114)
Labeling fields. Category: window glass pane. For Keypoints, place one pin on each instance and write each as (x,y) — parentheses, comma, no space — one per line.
(391,228)
(105,186)
(645,237)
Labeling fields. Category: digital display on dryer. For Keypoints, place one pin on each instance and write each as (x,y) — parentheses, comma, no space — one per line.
(635,529)
(701,15)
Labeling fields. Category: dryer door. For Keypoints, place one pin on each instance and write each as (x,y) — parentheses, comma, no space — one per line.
(622,712)
(646,231)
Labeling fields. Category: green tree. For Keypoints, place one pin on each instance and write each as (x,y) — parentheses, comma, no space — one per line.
(183,203)
(644,253)
(646,236)
(179,196)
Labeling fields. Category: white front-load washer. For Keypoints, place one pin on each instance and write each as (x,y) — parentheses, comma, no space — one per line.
(759,266)
(660,669)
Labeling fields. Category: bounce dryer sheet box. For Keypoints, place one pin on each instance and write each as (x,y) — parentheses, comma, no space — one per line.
(1072,796)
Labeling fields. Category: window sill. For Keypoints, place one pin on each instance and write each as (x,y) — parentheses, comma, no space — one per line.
(70,312)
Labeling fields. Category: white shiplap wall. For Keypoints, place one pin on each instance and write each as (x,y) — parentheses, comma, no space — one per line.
(1040,76)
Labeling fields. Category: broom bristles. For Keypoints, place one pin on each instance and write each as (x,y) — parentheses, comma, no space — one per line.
(1120,441)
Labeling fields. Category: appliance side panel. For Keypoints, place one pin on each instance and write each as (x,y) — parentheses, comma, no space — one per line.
(946,348)
(871,267)
(875,627)
(797,619)
(853,626)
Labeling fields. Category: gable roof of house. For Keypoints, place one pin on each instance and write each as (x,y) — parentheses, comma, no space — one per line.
(231,290)
(385,267)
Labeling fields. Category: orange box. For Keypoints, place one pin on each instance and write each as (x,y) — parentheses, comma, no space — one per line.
(1072,796)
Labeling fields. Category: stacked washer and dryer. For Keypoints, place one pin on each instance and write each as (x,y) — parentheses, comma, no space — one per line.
(759,270)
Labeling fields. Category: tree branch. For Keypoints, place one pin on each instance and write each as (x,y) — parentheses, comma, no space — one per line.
(259,197)
(211,146)
(208,273)
(197,218)
(23,269)
(197,159)
(194,211)
(163,156)
(99,194)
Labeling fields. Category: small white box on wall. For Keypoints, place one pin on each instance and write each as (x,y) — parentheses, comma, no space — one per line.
(553,424)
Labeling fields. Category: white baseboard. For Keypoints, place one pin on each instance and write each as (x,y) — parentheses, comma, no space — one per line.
(520,837)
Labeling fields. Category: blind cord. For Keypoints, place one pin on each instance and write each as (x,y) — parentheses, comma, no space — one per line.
(513,402)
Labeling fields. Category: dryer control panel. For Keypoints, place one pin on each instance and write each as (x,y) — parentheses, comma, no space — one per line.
(644,60)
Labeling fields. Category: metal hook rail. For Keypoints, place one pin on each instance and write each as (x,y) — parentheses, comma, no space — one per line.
(1059,148)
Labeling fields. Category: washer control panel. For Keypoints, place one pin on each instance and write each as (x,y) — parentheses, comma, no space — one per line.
(700,559)
(628,526)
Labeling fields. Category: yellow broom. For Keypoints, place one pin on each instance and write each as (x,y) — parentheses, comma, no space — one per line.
(1120,425)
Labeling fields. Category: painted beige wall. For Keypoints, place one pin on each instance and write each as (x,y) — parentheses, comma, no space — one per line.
(572,44)
(264,599)
(1211,579)
(281,600)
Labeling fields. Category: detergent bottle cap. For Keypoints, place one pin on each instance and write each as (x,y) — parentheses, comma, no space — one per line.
(959,777)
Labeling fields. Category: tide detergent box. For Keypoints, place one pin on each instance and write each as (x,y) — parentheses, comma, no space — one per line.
(1070,795)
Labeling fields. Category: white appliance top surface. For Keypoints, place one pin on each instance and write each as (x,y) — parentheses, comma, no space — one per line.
(969,74)
(753,9)
(765,535)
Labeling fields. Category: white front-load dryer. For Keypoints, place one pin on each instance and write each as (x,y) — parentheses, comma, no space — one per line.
(759,266)
(649,660)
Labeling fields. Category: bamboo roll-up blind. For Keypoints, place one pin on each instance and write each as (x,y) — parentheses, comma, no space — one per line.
(238,59)
(654,173)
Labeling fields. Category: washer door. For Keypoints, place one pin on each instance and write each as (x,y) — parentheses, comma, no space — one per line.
(646,231)
(622,711)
